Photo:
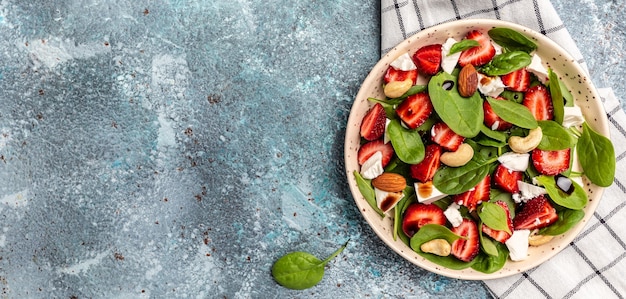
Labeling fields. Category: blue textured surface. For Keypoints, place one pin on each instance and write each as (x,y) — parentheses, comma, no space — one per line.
(178,148)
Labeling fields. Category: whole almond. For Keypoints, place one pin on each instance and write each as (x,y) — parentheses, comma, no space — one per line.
(390,182)
(468,81)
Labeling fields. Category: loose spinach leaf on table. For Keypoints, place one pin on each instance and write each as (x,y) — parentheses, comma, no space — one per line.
(512,40)
(596,156)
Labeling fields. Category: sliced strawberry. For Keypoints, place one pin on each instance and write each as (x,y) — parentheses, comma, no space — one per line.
(550,162)
(444,136)
(425,170)
(415,109)
(492,120)
(535,213)
(393,74)
(370,148)
(539,102)
(428,59)
(500,235)
(473,197)
(373,124)
(418,215)
(480,54)
(506,179)
(517,80)
(466,249)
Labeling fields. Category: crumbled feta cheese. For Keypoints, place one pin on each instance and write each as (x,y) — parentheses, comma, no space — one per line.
(373,167)
(514,161)
(491,86)
(448,62)
(537,68)
(498,48)
(518,245)
(527,192)
(453,215)
(427,192)
(404,63)
(386,138)
(573,116)
(387,200)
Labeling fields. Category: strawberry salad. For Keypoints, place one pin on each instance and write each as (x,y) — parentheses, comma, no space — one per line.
(477,164)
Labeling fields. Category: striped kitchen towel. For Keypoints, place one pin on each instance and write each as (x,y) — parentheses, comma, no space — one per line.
(594,264)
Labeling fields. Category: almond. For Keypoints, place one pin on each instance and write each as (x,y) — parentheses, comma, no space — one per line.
(390,182)
(468,81)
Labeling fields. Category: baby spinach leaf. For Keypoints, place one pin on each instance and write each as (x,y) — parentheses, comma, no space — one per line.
(577,200)
(407,143)
(596,156)
(456,180)
(558,103)
(463,115)
(513,96)
(434,231)
(493,216)
(487,263)
(301,270)
(555,137)
(486,244)
(567,219)
(497,135)
(514,113)
(506,62)
(496,195)
(463,45)
(400,208)
(365,186)
(511,40)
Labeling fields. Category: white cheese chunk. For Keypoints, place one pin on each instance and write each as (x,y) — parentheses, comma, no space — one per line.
(448,62)
(404,63)
(453,215)
(518,245)
(373,167)
(498,48)
(573,116)
(387,200)
(514,161)
(537,68)
(490,86)
(386,138)
(427,192)
(527,192)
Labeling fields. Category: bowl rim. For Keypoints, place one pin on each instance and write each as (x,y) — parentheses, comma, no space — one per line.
(600,125)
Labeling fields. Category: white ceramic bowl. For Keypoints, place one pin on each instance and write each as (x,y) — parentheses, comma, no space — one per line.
(569,71)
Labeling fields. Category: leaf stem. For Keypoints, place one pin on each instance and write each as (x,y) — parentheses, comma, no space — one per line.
(337,252)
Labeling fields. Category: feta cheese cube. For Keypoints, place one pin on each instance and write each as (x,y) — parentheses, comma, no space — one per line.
(527,192)
(387,200)
(518,245)
(573,116)
(448,62)
(514,161)
(453,215)
(386,138)
(427,192)
(490,86)
(373,167)
(404,63)
(537,68)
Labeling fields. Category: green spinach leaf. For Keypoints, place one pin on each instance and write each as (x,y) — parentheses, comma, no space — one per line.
(463,45)
(456,180)
(493,216)
(596,156)
(407,143)
(567,219)
(511,40)
(487,263)
(577,200)
(434,231)
(514,113)
(555,137)
(366,189)
(506,62)
(558,103)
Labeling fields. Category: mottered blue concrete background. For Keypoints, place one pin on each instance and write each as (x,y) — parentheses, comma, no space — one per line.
(174,149)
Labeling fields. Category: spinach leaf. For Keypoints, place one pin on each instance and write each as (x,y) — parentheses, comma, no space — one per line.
(486,244)
(567,219)
(301,270)
(493,216)
(577,200)
(456,180)
(506,62)
(463,115)
(513,96)
(497,135)
(496,195)
(463,45)
(558,103)
(435,231)
(407,143)
(408,198)
(555,137)
(512,40)
(596,156)
(486,263)
(514,113)
(366,189)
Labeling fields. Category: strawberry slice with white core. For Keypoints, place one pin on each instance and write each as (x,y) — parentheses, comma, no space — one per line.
(473,197)
(425,170)
(506,179)
(370,148)
(393,74)
(551,162)
(466,249)
(534,214)
(518,80)
(492,120)
(480,54)
(538,100)
(428,59)
(415,109)
(500,235)
(441,134)
(373,124)
(418,215)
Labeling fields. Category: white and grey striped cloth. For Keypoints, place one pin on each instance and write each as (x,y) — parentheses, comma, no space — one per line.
(594,265)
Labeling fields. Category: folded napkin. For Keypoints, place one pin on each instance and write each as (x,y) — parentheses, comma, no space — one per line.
(593,265)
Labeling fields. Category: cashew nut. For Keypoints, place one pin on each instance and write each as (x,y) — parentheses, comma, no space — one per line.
(460,157)
(396,89)
(526,144)
(535,239)
(439,247)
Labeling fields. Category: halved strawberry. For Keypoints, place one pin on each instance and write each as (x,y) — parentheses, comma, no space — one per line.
(444,136)
(373,124)
(466,249)
(415,109)
(473,197)
(492,120)
(507,179)
(393,74)
(418,215)
(517,80)
(535,213)
(500,235)
(370,148)
(539,102)
(480,54)
(428,59)
(425,170)
(550,162)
